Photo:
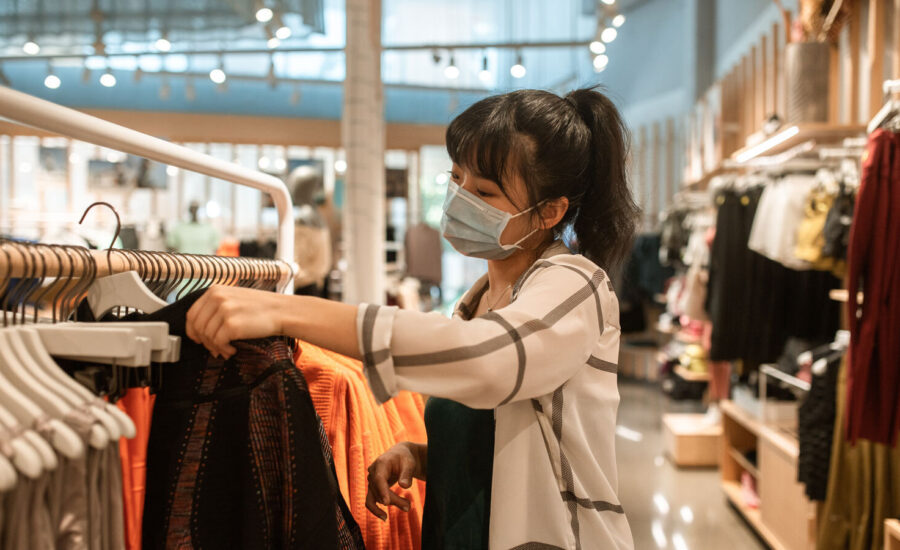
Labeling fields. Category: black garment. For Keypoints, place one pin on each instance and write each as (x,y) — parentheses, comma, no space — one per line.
(755,304)
(837,225)
(237,456)
(642,279)
(674,239)
(815,429)
(460,471)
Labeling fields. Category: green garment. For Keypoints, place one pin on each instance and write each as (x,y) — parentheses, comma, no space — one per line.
(863,488)
(193,238)
(460,470)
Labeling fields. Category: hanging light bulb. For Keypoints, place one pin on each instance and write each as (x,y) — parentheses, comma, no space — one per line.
(608,35)
(600,62)
(218,75)
(484,75)
(107,79)
(518,70)
(283,33)
(52,81)
(597,47)
(264,14)
(189,92)
(162,43)
(451,71)
(618,20)
(31,47)
(340,166)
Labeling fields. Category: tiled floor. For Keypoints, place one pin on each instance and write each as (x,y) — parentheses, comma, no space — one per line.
(669,507)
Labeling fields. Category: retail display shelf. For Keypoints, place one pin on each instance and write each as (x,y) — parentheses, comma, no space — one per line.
(691,376)
(742,417)
(739,457)
(752,515)
(794,135)
(891,534)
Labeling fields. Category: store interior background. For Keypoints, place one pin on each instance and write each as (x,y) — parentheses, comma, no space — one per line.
(286,104)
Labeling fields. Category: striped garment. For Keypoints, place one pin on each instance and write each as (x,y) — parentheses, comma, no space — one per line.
(546,364)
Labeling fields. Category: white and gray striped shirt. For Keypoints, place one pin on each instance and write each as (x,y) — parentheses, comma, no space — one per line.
(546,364)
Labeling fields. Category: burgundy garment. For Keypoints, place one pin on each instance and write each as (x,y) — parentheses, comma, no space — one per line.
(873,387)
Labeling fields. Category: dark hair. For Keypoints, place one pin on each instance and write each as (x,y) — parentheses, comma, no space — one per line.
(573,147)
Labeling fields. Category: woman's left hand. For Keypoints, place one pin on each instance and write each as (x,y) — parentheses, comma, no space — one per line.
(224,314)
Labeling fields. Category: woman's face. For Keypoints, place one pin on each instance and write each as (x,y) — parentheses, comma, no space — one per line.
(514,201)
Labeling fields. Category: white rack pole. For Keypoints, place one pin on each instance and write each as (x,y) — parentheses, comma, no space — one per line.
(32,111)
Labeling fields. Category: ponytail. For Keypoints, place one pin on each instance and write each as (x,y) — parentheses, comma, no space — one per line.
(607,215)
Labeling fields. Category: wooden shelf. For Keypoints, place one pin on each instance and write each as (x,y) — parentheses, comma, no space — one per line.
(794,135)
(691,376)
(739,457)
(752,515)
(743,418)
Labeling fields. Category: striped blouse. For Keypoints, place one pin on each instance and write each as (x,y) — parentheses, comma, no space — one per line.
(546,364)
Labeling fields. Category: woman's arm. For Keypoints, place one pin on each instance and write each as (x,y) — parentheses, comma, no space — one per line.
(224,314)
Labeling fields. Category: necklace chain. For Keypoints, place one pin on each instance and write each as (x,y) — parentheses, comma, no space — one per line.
(502,294)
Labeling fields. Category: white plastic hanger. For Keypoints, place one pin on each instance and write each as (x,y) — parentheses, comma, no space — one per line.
(63,438)
(122,289)
(50,396)
(116,422)
(28,458)
(8,476)
(106,345)
(162,345)
(884,115)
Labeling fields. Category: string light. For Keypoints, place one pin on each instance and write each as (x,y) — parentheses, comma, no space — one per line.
(518,70)
(264,15)
(31,47)
(618,20)
(608,35)
(107,79)
(597,47)
(600,62)
(218,75)
(52,81)
(283,33)
(162,43)
(340,166)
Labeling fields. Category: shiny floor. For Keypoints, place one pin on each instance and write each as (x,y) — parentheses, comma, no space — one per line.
(668,507)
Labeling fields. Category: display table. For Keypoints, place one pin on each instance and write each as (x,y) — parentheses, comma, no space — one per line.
(785,518)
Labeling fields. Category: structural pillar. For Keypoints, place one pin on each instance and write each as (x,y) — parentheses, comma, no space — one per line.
(362,135)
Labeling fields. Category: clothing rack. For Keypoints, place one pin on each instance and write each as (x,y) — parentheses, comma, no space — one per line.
(45,115)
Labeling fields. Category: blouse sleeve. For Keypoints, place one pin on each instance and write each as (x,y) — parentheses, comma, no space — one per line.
(564,317)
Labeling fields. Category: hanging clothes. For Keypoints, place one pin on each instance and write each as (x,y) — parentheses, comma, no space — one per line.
(137,404)
(359,431)
(237,456)
(874,267)
(815,426)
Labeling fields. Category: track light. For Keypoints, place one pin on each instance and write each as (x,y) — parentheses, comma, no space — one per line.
(52,81)
(608,35)
(451,71)
(31,47)
(264,15)
(484,75)
(618,20)
(518,70)
(597,47)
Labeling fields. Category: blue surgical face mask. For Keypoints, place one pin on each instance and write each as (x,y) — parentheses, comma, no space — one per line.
(474,227)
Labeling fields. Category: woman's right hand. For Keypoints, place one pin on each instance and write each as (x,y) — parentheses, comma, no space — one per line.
(400,464)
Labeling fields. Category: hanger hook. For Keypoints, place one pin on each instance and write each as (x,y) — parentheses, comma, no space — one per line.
(118,227)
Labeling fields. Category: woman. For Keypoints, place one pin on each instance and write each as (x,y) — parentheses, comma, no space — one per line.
(522,380)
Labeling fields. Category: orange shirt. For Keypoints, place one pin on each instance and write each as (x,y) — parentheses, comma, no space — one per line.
(138,404)
(359,432)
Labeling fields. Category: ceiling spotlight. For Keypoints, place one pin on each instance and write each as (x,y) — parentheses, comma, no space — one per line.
(518,70)
(608,35)
(31,47)
(597,47)
(600,62)
(295,95)
(451,71)
(264,15)
(283,32)
(108,79)
(484,75)
(52,81)
(189,92)
(165,90)
(618,20)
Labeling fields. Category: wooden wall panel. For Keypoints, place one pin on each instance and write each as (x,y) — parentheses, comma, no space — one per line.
(853,40)
(877,13)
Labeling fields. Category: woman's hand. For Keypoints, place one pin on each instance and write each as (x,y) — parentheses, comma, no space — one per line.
(401,463)
(227,313)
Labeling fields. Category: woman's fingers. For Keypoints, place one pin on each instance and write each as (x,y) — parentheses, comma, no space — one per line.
(373,506)
(399,502)
(406,472)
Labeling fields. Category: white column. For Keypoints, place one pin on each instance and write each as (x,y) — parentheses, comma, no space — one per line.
(362,135)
